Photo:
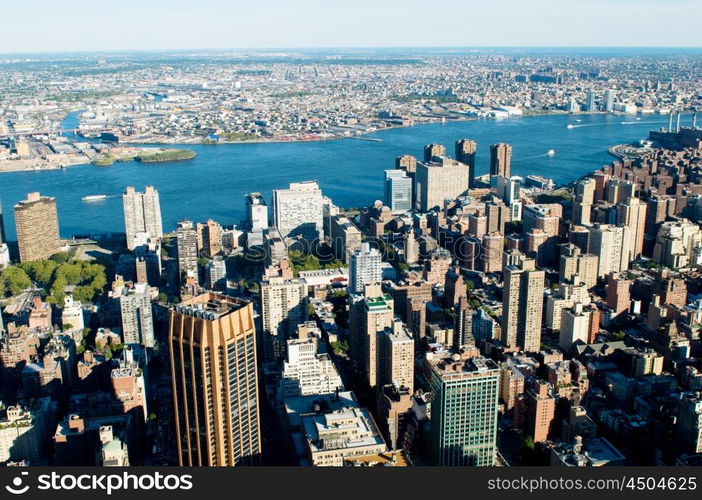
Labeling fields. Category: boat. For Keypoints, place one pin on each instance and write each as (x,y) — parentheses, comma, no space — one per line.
(570,125)
(551,152)
(94,197)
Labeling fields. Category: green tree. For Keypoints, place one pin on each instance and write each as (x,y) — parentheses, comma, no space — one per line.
(15,280)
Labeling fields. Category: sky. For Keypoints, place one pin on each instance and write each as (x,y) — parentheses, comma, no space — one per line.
(99,25)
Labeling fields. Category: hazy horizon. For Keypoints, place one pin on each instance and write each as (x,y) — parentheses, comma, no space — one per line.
(80,26)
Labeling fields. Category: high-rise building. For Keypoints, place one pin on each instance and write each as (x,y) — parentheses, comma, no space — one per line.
(689,425)
(491,255)
(575,326)
(283,307)
(583,201)
(464,410)
(398,190)
(217,274)
(136,313)
(299,211)
(465,153)
(463,324)
(609,100)
(611,245)
(71,315)
(408,163)
(36,220)
(345,238)
(364,268)
(523,298)
(396,357)
(209,238)
(307,371)
(433,152)
(500,159)
(370,315)
(591,106)
(539,411)
(632,214)
(186,244)
(574,263)
(256,212)
(618,293)
(142,216)
(437,181)
(215,386)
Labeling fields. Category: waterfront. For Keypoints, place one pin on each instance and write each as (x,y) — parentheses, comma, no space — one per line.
(349,171)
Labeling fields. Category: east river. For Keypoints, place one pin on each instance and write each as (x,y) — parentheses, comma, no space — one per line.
(350,171)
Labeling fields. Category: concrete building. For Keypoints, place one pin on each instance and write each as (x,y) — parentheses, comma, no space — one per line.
(36,220)
(283,307)
(464,410)
(24,431)
(213,360)
(345,238)
(437,181)
(465,150)
(129,384)
(136,313)
(306,370)
(578,266)
(364,268)
(583,201)
(563,297)
(539,411)
(611,246)
(186,244)
(492,252)
(72,315)
(523,298)
(677,244)
(394,405)
(217,274)
(209,238)
(575,327)
(142,216)
(500,159)
(298,211)
(396,357)
(689,426)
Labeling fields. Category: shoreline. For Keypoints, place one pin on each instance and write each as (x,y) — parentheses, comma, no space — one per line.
(66,162)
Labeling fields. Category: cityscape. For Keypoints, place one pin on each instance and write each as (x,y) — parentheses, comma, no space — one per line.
(371,257)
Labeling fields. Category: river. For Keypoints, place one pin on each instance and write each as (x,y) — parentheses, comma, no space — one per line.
(349,171)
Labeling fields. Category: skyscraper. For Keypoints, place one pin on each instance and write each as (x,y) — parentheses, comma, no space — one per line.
(256,212)
(464,410)
(186,243)
(609,100)
(611,245)
(283,307)
(591,106)
(4,249)
(396,357)
(36,220)
(437,181)
(433,151)
(137,315)
(209,238)
(142,216)
(500,159)
(215,386)
(465,153)
(523,299)
(298,211)
(398,190)
(364,268)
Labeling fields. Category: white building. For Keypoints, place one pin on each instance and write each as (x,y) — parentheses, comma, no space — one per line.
(365,267)
(137,315)
(307,371)
(575,326)
(23,431)
(398,190)
(217,274)
(283,307)
(298,211)
(142,216)
(72,314)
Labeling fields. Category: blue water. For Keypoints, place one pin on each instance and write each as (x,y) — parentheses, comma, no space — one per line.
(349,171)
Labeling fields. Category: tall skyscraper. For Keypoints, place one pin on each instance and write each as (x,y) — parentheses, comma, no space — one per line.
(591,105)
(433,152)
(583,201)
(283,307)
(464,410)
(36,220)
(500,159)
(364,268)
(611,245)
(370,315)
(523,300)
(465,153)
(632,213)
(438,181)
(215,386)
(137,315)
(209,238)
(609,100)
(398,190)
(142,216)
(186,243)
(299,211)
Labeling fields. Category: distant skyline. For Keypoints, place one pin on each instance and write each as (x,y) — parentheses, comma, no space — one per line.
(127,25)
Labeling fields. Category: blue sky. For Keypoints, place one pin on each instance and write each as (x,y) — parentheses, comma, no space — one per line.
(87,25)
